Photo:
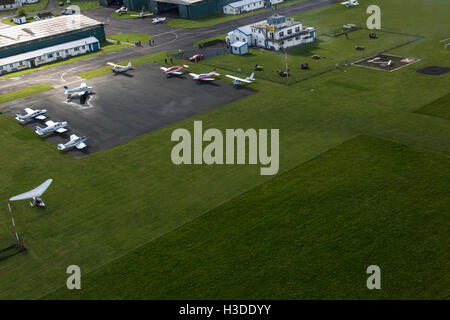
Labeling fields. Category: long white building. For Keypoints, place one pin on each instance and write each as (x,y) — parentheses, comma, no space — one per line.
(244,6)
(275,33)
(14,4)
(49,54)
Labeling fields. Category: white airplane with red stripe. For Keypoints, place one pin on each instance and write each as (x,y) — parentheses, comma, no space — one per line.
(176,70)
(205,76)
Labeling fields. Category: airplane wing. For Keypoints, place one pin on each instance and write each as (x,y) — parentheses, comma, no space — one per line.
(112,64)
(81,145)
(83,84)
(36,192)
(29,110)
(41,117)
(234,78)
(61,130)
(49,123)
(193,75)
(73,137)
(176,72)
(164,69)
(207,79)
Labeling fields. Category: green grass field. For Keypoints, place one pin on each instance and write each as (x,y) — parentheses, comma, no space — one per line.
(31,7)
(127,15)
(86,5)
(130,37)
(332,50)
(307,234)
(23,93)
(438,108)
(363,180)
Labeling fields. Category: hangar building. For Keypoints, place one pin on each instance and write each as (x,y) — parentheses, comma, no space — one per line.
(187,9)
(38,35)
(33,44)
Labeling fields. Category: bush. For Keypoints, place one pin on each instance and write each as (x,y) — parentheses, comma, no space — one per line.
(213,42)
(21,11)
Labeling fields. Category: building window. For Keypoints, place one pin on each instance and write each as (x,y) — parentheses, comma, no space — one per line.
(281,34)
(297,29)
(289,31)
(297,38)
(50,55)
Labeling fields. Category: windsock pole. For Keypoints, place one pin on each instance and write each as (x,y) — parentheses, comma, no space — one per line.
(13,223)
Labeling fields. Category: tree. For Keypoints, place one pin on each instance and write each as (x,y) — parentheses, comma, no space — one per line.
(21,11)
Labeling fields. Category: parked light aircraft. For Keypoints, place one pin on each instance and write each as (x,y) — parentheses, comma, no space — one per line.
(52,127)
(158,20)
(121,10)
(81,90)
(381,63)
(175,69)
(118,68)
(75,141)
(205,76)
(141,14)
(238,81)
(350,3)
(34,194)
(31,114)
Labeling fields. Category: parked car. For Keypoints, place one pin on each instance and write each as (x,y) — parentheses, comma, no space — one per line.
(197,57)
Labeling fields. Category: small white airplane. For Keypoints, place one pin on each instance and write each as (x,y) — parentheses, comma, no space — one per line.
(121,10)
(350,3)
(142,14)
(75,141)
(176,70)
(158,20)
(238,81)
(205,76)
(118,68)
(381,63)
(34,194)
(52,127)
(81,90)
(31,114)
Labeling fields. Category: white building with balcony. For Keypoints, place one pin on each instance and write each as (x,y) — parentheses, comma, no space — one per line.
(275,33)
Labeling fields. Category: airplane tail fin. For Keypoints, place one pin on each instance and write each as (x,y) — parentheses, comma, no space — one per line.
(182,63)
(19,116)
(38,129)
(214,69)
(129,64)
(252,76)
(60,146)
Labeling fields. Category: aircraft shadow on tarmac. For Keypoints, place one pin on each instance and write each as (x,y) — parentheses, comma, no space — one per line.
(124,74)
